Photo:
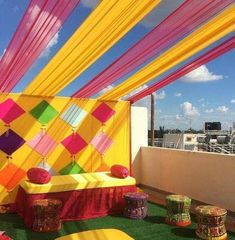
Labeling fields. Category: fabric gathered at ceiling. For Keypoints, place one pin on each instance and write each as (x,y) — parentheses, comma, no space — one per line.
(108,22)
(180,22)
(215,29)
(41,21)
(222,48)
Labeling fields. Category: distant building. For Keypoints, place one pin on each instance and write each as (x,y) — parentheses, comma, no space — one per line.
(186,141)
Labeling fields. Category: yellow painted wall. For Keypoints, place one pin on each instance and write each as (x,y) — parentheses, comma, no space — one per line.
(26,126)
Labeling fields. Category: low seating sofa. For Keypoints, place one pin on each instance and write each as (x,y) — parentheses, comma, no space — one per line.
(83,196)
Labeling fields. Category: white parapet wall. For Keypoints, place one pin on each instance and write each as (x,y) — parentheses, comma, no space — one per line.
(139,135)
(206,177)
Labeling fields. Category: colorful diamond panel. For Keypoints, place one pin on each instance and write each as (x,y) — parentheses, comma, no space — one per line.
(47,167)
(101,142)
(73,115)
(103,113)
(44,112)
(72,168)
(74,143)
(25,144)
(10,142)
(10,176)
(42,143)
(9,111)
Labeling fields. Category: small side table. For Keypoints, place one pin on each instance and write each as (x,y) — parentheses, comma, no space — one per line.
(46,215)
(178,210)
(136,205)
(211,221)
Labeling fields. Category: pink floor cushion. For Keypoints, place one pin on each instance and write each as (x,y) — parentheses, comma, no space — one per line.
(38,175)
(119,171)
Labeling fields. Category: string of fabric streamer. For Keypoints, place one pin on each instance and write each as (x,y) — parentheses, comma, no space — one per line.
(109,21)
(41,21)
(215,29)
(205,58)
(182,21)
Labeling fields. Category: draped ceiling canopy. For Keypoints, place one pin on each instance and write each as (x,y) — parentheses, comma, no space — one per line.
(191,28)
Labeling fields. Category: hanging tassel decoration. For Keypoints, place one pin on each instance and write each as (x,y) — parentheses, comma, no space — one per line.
(8,126)
(44,160)
(74,129)
(73,158)
(43,129)
(9,158)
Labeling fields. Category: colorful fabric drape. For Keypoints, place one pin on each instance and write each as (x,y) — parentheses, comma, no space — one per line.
(41,21)
(212,31)
(208,56)
(182,21)
(102,29)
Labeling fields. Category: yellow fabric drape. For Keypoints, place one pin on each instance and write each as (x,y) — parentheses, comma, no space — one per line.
(100,31)
(218,27)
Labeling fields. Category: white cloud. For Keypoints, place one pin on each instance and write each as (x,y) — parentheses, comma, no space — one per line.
(161,95)
(177,94)
(144,102)
(34,13)
(201,100)
(189,111)
(46,52)
(222,109)
(178,117)
(201,74)
(106,89)
(90,3)
(161,11)
(232,101)
(211,110)
(203,105)
(3,53)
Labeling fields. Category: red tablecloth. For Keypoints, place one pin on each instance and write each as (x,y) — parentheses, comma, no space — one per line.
(78,204)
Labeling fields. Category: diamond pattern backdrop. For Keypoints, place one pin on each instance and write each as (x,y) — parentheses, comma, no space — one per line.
(81,135)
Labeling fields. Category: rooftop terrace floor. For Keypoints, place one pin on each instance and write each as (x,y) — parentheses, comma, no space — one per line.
(153,227)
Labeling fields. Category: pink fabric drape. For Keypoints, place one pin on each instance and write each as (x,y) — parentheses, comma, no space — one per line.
(41,21)
(190,15)
(208,56)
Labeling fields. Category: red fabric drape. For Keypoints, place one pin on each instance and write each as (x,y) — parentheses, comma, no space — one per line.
(76,205)
(190,15)
(41,21)
(208,56)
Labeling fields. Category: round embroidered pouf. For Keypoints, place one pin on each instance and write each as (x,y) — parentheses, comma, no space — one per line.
(136,205)
(211,221)
(46,215)
(178,210)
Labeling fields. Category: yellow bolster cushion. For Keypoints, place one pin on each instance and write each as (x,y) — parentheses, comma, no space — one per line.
(63,183)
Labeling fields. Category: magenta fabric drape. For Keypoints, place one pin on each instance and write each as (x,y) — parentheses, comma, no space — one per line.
(41,21)
(208,56)
(190,15)
(77,204)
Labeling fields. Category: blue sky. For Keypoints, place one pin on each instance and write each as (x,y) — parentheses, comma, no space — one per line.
(207,94)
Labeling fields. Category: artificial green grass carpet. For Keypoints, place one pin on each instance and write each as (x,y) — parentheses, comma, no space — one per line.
(151,228)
